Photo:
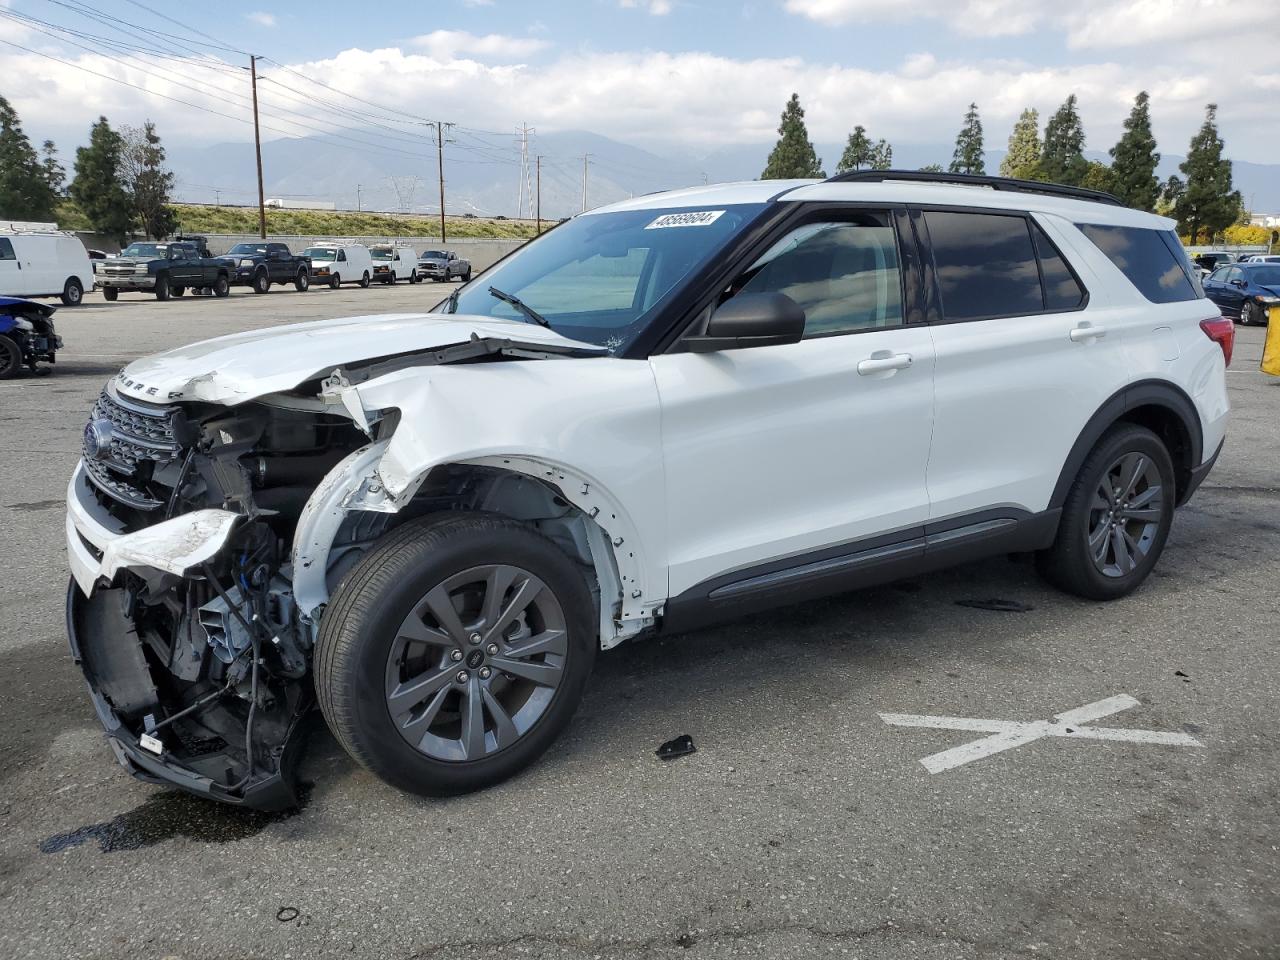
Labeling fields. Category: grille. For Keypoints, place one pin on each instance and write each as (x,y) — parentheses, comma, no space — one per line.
(142,444)
(119,271)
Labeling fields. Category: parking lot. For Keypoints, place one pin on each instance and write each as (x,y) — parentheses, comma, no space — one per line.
(804,825)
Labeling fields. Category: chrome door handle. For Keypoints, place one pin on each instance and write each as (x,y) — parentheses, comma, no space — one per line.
(882,361)
(1085,331)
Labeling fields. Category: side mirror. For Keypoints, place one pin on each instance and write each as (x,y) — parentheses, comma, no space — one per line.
(1239,283)
(751,320)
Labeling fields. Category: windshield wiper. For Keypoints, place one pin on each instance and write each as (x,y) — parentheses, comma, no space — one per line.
(520,305)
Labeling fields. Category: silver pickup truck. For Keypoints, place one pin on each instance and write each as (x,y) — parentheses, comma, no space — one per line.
(443,265)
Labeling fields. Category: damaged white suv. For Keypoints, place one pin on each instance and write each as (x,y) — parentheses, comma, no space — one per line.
(672,411)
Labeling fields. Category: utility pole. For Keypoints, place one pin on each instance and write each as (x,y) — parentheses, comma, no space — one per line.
(217,197)
(440,164)
(357,198)
(537,163)
(586,157)
(257,148)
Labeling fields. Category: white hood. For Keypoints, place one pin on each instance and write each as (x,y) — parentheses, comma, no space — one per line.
(243,366)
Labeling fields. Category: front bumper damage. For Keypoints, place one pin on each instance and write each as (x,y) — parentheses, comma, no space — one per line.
(132,688)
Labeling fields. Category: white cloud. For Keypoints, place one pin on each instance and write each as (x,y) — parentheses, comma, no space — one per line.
(454,44)
(261,18)
(658,8)
(983,17)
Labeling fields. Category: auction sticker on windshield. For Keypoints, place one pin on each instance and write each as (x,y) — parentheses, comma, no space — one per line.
(691,218)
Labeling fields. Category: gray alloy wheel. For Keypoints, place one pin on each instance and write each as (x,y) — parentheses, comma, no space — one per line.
(476,663)
(72,292)
(1248,313)
(1126,514)
(302,281)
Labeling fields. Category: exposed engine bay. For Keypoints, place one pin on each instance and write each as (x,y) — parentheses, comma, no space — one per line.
(195,647)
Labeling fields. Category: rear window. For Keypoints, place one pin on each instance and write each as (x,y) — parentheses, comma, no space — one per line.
(1154,260)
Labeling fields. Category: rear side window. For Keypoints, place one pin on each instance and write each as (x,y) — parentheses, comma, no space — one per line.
(1062,291)
(1153,260)
(986,265)
(6,249)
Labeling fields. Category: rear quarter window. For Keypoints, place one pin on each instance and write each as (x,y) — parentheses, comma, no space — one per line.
(1154,261)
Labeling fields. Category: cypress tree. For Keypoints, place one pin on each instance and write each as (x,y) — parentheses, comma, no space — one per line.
(1063,158)
(1023,156)
(858,152)
(25,189)
(1207,201)
(1134,159)
(97,186)
(968,154)
(793,156)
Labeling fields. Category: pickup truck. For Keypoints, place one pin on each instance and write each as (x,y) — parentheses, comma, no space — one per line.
(165,269)
(441,265)
(260,264)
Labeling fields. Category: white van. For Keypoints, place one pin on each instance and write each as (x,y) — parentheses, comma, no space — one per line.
(392,262)
(44,264)
(336,262)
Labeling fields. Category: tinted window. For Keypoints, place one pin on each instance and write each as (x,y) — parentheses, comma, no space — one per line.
(844,275)
(6,249)
(1220,275)
(1147,258)
(1062,291)
(1267,276)
(986,265)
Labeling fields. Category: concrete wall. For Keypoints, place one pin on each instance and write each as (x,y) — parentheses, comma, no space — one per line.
(481,253)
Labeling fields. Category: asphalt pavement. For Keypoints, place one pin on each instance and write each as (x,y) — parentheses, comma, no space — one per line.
(804,825)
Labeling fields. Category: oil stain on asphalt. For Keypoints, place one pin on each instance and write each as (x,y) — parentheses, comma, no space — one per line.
(168,816)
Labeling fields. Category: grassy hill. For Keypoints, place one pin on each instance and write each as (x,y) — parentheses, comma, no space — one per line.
(214,220)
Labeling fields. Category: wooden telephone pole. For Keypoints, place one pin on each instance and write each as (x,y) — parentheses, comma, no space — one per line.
(537,165)
(257,148)
(440,125)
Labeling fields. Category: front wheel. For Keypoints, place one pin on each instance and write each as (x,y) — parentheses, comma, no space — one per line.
(454,653)
(221,286)
(364,280)
(466,275)
(261,282)
(302,281)
(1249,314)
(10,357)
(110,294)
(162,287)
(72,292)
(413,277)
(335,282)
(1116,518)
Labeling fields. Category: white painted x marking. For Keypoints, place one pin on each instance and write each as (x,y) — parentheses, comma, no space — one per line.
(1007,734)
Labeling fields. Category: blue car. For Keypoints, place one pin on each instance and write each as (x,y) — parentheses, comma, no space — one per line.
(27,336)
(1245,291)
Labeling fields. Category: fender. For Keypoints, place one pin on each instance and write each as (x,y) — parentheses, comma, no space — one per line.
(1144,393)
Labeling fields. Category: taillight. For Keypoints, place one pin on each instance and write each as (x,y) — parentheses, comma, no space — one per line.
(1222,332)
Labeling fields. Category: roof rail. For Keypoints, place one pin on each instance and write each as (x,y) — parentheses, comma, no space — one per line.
(977,180)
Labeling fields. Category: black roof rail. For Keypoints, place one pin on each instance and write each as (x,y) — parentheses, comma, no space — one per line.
(977,180)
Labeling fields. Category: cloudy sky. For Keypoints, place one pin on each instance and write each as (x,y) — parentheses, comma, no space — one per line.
(691,75)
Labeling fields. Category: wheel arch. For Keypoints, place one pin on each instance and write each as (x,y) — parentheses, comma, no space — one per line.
(1160,406)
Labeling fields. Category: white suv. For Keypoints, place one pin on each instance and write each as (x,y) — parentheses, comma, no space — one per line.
(672,411)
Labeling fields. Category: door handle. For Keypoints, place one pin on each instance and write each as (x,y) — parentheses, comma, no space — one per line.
(883,361)
(1084,331)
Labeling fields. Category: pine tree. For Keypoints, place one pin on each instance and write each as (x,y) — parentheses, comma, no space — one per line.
(793,156)
(1098,176)
(142,163)
(1134,159)
(52,170)
(932,168)
(1207,202)
(1062,160)
(25,191)
(858,152)
(97,186)
(968,155)
(882,156)
(1023,156)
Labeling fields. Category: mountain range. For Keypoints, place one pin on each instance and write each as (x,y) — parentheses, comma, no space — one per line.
(484,178)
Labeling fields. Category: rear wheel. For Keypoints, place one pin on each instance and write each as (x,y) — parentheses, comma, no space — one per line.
(302,281)
(261,282)
(455,652)
(162,287)
(110,294)
(1116,518)
(364,279)
(221,286)
(72,292)
(10,357)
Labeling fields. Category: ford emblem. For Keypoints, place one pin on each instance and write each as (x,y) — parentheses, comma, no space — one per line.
(97,439)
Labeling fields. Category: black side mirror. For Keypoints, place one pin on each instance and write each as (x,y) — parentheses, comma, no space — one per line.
(1239,283)
(751,320)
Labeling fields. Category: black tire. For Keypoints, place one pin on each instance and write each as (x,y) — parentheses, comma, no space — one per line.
(221,286)
(363,618)
(179,291)
(466,275)
(413,277)
(261,282)
(1248,314)
(335,282)
(10,357)
(364,280)
(110,294)
(302,282)
(1069,564)
(162,287)
(73,292)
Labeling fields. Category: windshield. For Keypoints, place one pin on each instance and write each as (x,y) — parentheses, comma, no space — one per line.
(1267,276)
(600,277)
(433,255)
(145,250)
(381,253)
(248,248)
(320,253)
